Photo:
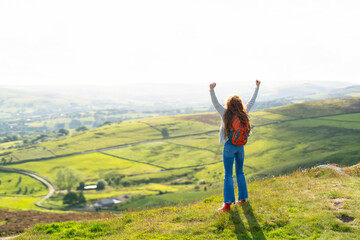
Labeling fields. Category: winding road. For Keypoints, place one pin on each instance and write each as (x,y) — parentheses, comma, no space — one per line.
(42,180)
(39,202)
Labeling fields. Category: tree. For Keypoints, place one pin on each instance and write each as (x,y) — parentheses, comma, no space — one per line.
(118,179)
(63,131)
(67,178)
(81,186)
(107,123)
(18,182)
(202,182)
(81,198)
(125,183)
(80,129)
(101,184)
(164,133)
(70,198)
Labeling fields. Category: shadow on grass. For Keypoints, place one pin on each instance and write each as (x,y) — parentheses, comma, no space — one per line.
(255,229)
(240,229)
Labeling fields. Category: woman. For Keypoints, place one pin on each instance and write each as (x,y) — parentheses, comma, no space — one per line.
(234,108)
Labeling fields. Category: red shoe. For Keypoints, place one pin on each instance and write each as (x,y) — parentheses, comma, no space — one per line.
(241,201)
(225,207)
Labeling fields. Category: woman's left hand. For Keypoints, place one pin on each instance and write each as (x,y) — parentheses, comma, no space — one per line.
(258,83)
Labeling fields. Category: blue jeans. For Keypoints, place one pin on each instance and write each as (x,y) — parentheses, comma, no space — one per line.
(230,153)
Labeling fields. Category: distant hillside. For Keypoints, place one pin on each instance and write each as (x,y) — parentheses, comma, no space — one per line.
(325,107)
(351,91)
(302,90)
(305,93)
(19,103)
(308,204)
(26,113)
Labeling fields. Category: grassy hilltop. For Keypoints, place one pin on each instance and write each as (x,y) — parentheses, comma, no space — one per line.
(166,160)
(308,204)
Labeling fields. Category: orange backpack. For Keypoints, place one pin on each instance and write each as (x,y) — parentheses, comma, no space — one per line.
(239,132)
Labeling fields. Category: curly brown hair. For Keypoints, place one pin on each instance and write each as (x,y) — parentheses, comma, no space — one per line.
(234,107)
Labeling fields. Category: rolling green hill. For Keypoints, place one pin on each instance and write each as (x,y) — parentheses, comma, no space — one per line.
(156,160)
(308,204)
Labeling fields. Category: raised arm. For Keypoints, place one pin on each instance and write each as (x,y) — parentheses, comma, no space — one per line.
(253,98)
(220,109)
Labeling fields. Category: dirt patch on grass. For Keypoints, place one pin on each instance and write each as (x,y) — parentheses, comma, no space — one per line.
(338,203)
(209,118)
(15,222)
(345,218)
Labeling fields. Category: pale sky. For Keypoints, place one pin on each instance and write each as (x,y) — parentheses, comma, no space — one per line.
(190,42)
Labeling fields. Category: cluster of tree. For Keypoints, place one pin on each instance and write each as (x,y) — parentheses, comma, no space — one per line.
(67,178)
(20,191)
(39,138)
(72,198)
(5,160)
(115,180)
(9,138)
(63,132)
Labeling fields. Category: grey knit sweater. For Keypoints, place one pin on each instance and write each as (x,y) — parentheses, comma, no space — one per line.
(221,110)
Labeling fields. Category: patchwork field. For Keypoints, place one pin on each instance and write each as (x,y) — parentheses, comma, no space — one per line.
(156,160)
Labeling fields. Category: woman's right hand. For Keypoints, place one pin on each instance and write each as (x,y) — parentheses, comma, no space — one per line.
(212,85)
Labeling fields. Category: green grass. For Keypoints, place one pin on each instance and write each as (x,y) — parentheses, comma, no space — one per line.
(19,202)
(265,117)
(92,166)
(141,202)
(162,176)
(32,153)
(12,198)
(9,144)
(209,141)
(12,182)
(106,136)
(350,121)
(288,146)
(177,126)
(347,117)
(166,155)
(142,189)
(303,205)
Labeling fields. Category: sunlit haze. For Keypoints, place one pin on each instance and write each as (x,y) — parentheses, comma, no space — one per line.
(151,45)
